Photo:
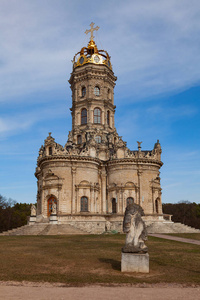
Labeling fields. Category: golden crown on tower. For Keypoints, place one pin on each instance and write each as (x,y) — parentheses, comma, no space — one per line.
(91,54)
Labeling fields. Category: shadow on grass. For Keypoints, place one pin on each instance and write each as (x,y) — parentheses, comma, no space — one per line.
(115,264)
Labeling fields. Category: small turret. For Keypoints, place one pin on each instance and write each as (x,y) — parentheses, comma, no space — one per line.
(157,149)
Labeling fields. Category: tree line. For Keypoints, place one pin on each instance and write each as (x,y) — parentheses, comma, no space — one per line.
(13,214)
(184,212)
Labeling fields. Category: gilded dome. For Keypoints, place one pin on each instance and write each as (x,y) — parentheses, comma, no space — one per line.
(91,54)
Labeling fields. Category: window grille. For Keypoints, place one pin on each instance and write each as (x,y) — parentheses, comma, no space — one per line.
(83,91)
(97,116)
(96,91)
(84,203)
(84,116)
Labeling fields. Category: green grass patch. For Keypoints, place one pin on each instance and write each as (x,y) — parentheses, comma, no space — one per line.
(79,260)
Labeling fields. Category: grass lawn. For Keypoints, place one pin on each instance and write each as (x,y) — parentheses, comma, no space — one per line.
(90,259)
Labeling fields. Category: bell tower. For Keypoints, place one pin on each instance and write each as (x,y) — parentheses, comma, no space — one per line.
(92,83)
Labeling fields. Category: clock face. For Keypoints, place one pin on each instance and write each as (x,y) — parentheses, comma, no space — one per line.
(96,59)
(81,60)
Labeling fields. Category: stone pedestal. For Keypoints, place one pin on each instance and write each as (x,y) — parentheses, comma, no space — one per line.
(53,219)
(135,262)
(32,220)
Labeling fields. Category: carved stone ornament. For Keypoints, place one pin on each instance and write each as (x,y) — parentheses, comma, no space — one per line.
(135,230)
(54,208)
(33,210)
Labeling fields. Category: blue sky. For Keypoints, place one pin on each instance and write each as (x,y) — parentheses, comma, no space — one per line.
(155,53)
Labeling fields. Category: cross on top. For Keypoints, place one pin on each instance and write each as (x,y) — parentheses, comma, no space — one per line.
(92,30)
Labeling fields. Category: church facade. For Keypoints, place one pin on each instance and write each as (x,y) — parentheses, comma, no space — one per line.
(95,175)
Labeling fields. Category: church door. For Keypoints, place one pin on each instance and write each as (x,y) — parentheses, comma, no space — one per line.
(50,204)
(114,206)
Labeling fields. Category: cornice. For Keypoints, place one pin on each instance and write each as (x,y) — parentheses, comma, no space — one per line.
(134,160)
(71,158)
(90,72)
(74,158)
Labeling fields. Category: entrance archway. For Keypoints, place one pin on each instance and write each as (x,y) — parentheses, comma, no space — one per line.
(50,202)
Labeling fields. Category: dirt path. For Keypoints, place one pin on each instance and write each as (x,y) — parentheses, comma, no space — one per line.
(51,292)
(176,238)
(55,291)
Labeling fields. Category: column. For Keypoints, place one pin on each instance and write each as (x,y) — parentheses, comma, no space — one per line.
(103,189)
(89,116)
(118,200)
(139,185)
(153,200)
(78,201)
(103,117)
(73,190)
(91,201)
(76,198)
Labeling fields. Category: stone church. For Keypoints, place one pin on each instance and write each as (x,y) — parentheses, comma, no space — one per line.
(90,180)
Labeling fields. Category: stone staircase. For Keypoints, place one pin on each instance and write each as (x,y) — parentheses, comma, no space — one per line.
(44,229)
(162,227)
(65,229)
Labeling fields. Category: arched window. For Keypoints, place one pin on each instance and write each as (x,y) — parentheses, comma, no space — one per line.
(84,203)
(83,91)
(108,117)
(96,91)
(114,206)
(98,139)
(79,139)
(97,116)
(84,116)
(129,201)
(50,151)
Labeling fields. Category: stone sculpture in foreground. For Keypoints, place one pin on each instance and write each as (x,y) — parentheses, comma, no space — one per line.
(134,254)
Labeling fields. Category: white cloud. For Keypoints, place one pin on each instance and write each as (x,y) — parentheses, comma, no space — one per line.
(171,113)
(154,44)
(12,124)
(7,124)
